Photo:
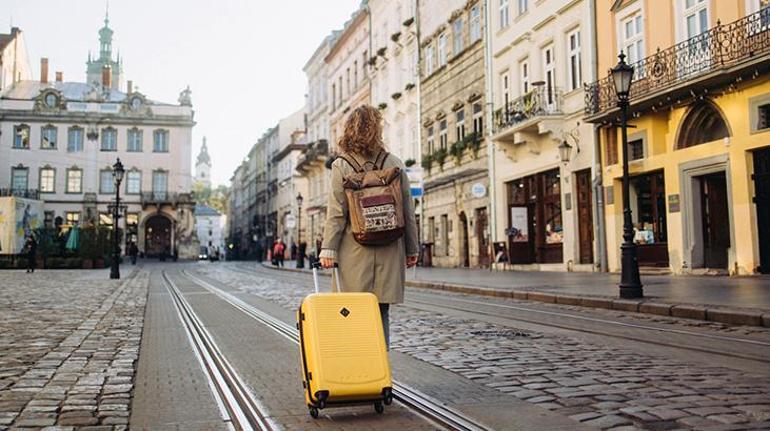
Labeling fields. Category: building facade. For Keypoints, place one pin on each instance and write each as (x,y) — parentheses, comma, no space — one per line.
(456,200)
(699,154)
(394,74)
(14,60)
(62,138)
(290,184)
(209,224)
(541,56)
(348,71)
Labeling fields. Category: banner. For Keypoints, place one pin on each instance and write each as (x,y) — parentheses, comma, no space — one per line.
(18,218)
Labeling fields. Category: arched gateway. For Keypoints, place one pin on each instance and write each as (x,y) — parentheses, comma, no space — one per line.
(157,236)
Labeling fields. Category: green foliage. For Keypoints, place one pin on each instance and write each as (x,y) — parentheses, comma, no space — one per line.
(427,161)
(439,156)
(409,162)
(457,149)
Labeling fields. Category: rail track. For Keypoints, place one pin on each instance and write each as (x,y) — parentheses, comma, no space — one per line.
(569,321)
(406,395)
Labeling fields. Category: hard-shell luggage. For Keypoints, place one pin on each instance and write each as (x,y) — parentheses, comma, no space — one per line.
(344,358)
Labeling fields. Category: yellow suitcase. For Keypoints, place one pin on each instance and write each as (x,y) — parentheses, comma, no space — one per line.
(344,358)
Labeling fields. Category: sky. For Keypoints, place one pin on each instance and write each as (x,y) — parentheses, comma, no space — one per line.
(242,59)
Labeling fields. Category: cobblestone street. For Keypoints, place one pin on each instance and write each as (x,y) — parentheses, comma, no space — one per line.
(600,385)
(69,341)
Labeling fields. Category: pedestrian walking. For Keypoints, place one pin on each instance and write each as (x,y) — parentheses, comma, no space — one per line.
(30,246)
(380,269)
(133,252)
(278,252)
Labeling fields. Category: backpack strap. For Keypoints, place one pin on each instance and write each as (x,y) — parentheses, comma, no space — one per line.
(351,161)
(382,156)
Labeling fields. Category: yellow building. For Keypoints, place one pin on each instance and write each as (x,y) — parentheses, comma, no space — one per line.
(700,148)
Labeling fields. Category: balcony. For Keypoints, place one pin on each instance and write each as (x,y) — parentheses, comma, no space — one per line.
(316,152)
(539,111)
(20,193)
(166,198)
(716,58)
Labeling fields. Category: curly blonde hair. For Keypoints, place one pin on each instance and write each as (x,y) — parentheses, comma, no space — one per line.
(363,132)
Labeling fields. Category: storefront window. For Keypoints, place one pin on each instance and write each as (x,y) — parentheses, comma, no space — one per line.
(650,213)
(552,207)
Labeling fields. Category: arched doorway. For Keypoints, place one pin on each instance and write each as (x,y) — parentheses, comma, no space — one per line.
(466,262)
(157,236)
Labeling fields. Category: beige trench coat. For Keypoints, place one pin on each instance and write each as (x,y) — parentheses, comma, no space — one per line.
(377,269)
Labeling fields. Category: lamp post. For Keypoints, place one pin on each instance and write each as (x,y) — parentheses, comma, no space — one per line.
(117,175)
(300,246)
(630,283)
(565,152)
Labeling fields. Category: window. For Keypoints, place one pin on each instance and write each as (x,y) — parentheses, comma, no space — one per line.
(365,62)
(334,96)
(132,219)
(47,180)
(106,182)
(611,145)
(695,15)
(109,139)
(475,23)
(523,6)
(21,136)
(20,178)
(74,180)
(460,124)
(134,140)
(549,70)
(442,54)
(632,37)
(524,68)
(355,74)
(48,138)
(159,182)
(504,90)
(505,18)
(432,231)
(105,219)
(636,149)
(457,35)
(429,60)
(573,59)
(72,217)
(160,141)
(431,140)
(478,120)
(75,139)
(442,137)
(444,235)
(133,182)
(347,81)
(763,116)
(48,219)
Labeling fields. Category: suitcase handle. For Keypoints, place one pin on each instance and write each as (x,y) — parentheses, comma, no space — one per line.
(335,274)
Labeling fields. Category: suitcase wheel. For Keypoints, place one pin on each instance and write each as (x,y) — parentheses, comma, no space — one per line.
(379,407)
(321,404)
(387,396)
(313,412)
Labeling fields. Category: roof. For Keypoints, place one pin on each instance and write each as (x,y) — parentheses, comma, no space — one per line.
(5,39)
(205,210)
(72,91)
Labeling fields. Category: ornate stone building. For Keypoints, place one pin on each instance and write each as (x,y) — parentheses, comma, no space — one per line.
(203,167)
(60,139)
(455,221)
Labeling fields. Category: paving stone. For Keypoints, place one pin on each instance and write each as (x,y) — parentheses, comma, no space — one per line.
(608,421)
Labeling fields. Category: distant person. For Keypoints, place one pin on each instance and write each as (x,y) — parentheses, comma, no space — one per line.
(30,246)
(133,252)
(278,250)
(379,269)
(318,243)
(293,253)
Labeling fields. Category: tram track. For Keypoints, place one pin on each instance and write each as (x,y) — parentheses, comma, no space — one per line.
(240,410)
(537,316)
(411,398)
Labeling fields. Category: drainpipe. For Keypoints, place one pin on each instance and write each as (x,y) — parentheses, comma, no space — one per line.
(490,123)
(418,84)
(596,163)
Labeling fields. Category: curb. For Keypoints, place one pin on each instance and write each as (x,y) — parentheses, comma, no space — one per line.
(710,313)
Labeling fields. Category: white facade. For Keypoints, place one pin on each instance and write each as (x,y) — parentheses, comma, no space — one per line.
(291,143)
(14,60)
(394,75)
(203,166)
(209,224)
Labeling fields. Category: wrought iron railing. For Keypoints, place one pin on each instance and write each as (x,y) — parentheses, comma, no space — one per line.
(165,197)
(721,47)
(20,193)
(542,101)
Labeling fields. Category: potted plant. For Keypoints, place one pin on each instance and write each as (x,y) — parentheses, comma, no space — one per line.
(427,161)
(409,163)
(394,37)
(408,21)
(409,86)
(382,106)
(439,156)
(457,149)
(381,51)
(372,60)
(396,95)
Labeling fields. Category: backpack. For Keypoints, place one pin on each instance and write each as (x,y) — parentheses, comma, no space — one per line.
(375,201)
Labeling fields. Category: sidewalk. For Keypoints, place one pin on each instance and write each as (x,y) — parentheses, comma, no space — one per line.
(733,300)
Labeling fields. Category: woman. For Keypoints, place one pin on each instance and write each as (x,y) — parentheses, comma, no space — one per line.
(377,269)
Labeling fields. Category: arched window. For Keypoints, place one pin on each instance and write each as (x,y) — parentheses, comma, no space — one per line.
(704,123)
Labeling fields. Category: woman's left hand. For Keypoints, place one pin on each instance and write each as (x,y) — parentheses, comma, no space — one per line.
(411,261)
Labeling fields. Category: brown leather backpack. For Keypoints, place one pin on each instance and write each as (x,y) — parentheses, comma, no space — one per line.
(375,201)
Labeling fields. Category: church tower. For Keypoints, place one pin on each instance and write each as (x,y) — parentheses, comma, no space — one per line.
(203,166)
(94,67)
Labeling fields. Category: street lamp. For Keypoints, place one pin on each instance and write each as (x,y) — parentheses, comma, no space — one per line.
(630,283)
(117,175)
(565,152)
(300,247)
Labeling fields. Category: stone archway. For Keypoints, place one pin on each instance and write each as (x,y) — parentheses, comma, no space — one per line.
(703,123)
(158,231)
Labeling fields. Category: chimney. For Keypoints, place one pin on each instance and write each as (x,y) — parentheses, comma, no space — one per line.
(44,70)
(59,77)
(107,76)
(130,86)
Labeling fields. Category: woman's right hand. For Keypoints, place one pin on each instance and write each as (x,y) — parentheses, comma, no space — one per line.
(327,262)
